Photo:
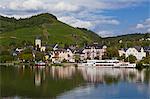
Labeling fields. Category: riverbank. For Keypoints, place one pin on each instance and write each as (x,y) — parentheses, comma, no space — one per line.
(138,66)
(32,64)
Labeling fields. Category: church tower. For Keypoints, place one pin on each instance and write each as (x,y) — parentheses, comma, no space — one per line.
(38,43)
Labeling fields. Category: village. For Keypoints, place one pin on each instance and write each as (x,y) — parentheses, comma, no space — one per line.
(54,54)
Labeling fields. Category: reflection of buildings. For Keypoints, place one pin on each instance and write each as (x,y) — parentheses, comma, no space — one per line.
(39,76)
(92,75)
(37,79)
(62,72)
(102,75)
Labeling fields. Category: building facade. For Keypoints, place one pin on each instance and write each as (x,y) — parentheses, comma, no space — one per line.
(94,51)
(138,52)
(60,55)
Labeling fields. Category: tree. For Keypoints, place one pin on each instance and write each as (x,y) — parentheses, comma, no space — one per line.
(122,57)
(131,59)
(146,60)
(39,56)
(27,51)
(26,56)
(112,52)
(6,58)
(77,58)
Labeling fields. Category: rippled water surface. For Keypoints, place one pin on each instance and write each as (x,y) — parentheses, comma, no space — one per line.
(74,83)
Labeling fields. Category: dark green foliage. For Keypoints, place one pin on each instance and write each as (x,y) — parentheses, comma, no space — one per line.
(4,52)
(139,66)
(39,56)
(77,58)
(131,59)
(146,60)
(28,57)
(112,52)
(122,57)
(6,58)
(27,51)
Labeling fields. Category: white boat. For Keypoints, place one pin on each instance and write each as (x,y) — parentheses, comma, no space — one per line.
(40,64)
(106,63)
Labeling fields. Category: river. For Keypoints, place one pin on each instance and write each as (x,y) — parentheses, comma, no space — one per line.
(74,83)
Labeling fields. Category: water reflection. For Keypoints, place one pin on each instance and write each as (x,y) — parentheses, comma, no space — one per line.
(62,73)
(109,75)
(50,82)
(38,78)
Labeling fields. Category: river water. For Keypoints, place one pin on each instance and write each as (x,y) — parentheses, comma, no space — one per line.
(74,83)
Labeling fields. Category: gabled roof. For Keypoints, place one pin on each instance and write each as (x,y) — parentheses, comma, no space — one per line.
(96,46)
(138,48)
(146,48)
(79,51)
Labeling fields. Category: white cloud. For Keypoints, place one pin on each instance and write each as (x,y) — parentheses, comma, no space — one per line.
(76,22)
(67,5)
(45,5)
(25,5)
(16,16)
(108,21)
(145,26)
(139,26)
(148,30)
(62,6)
(106,33)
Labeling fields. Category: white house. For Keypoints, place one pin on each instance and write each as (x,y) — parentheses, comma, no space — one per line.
(137,51)
(94,51)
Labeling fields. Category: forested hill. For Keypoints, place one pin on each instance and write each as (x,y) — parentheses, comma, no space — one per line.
(47,27)
(128,40)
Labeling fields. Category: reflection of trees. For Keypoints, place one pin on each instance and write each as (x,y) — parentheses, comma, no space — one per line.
(147,76)
(109,79)
(14,84)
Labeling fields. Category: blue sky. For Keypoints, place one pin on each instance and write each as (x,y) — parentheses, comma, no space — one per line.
(105,17)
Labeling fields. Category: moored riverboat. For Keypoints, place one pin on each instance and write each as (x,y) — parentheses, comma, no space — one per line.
(40,64)
(107,63)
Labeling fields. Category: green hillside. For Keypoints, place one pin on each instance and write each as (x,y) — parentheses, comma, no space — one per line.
(45,26)
(128,40)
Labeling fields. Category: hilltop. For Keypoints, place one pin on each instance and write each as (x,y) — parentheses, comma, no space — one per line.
(47,27)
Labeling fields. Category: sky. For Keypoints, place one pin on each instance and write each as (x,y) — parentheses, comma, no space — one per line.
(105,17)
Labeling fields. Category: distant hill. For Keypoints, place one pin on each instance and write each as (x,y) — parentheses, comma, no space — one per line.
(47,27)
(128,40)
